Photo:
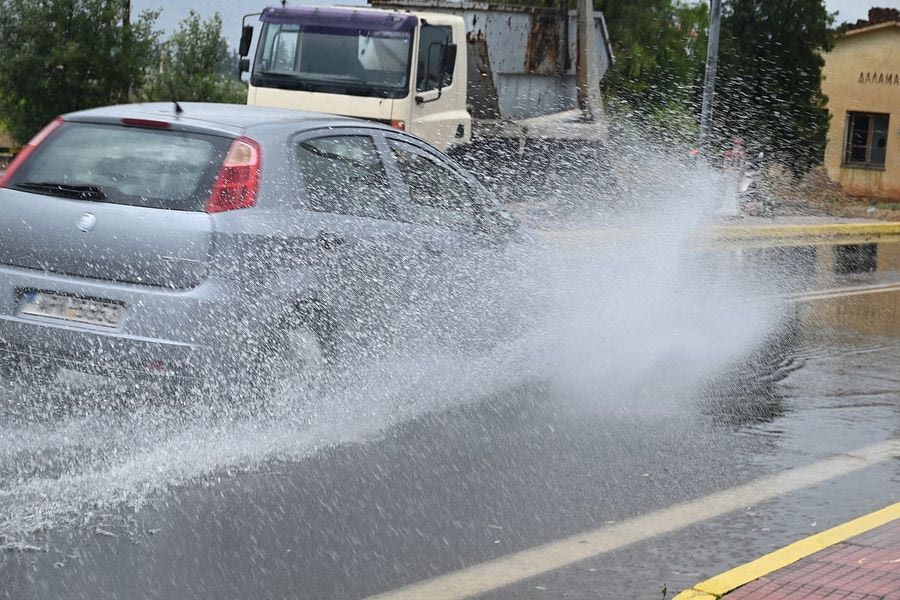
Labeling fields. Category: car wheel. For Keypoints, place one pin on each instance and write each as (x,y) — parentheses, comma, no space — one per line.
(298,363)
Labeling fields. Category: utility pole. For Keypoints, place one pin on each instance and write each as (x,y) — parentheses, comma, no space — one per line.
(126,43)
(585,76)
(709,82)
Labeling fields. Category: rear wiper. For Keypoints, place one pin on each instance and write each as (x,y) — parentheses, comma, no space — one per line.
(81,192)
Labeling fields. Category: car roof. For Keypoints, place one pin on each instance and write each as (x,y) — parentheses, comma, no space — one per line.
(226,118)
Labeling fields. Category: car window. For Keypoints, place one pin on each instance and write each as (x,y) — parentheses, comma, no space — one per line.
(344,174)
(437,192)
(156,168)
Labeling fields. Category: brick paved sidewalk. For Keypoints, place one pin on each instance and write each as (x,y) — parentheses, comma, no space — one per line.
(865,567)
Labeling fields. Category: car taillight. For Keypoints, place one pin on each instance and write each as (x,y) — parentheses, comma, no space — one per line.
(238,179)
(22,156)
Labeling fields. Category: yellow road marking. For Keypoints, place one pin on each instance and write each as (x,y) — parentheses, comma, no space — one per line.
(747,235)
(513,568)
(720,585)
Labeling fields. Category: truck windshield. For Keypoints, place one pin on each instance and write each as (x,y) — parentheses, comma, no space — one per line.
(339,60)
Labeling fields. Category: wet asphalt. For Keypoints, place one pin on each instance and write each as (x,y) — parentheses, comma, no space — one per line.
(104,494)
(457,487)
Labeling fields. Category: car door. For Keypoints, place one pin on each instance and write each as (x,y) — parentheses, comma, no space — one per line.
(346,205)
(459,258)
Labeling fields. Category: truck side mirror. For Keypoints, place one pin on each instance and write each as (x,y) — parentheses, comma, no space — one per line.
(448,61)
(246,39)
(244,64)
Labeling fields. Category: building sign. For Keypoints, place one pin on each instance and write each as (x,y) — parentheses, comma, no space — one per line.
(879,78)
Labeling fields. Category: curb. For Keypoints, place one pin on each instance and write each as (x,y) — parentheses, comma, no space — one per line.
(716,587)
(810,234)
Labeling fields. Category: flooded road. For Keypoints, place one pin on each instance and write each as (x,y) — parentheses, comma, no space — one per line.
(108,491)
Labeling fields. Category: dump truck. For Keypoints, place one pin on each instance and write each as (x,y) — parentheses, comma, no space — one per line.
(512,91)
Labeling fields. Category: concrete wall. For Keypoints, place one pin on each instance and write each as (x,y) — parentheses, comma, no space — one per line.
(5,147)
(862,73)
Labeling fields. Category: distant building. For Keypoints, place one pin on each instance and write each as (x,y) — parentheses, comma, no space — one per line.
(862,82)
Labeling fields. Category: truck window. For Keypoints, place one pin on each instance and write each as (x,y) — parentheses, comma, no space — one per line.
(284,52)
(432,39)
(345,175)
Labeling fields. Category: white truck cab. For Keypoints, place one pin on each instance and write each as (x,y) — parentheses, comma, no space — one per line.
(511,91)
(396,67)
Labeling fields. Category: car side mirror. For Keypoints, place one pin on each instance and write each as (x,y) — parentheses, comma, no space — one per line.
(448,61)
(246,40)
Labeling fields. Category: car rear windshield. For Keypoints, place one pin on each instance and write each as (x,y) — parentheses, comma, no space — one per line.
(120,164)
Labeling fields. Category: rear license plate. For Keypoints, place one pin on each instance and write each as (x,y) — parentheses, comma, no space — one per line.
(71,308)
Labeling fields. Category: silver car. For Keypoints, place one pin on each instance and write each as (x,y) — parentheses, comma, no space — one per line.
(213,241)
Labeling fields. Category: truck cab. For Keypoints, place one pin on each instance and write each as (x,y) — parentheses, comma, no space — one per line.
(399,68)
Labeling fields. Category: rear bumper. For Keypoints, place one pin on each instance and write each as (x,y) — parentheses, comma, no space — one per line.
(176,333)
(98,352)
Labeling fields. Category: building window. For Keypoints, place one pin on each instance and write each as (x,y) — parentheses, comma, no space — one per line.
(867,135)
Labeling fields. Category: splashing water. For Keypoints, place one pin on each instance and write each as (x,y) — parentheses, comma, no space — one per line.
(605,316)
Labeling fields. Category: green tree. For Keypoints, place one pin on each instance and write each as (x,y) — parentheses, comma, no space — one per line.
(768,88)
(65,55)
(660,48)
(195,65)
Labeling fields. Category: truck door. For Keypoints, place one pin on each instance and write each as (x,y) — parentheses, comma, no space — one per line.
(439,111)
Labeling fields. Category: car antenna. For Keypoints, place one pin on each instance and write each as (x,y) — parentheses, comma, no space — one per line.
(178,109)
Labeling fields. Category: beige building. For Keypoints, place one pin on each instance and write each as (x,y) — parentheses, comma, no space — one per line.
(862,82)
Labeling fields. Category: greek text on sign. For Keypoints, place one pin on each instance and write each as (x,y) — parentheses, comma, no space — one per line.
(879,78)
